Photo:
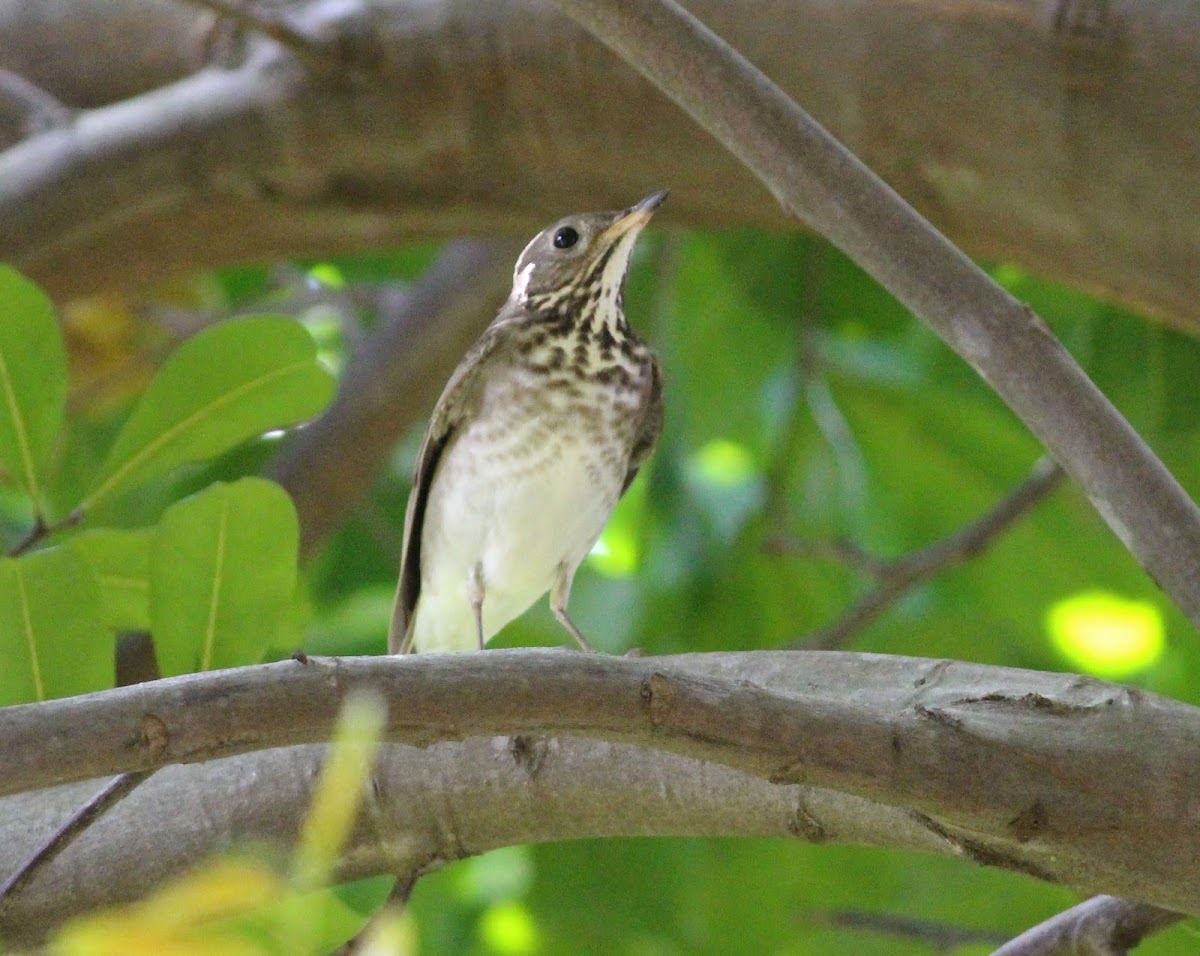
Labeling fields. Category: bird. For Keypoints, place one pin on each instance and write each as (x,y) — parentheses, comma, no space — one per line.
(538,433)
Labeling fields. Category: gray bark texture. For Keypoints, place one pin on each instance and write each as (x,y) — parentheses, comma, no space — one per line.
(1063,778)
(1063,136)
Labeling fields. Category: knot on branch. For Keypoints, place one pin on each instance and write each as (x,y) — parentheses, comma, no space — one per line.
(659,694)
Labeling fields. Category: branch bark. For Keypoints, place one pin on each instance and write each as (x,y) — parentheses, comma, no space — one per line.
(968,749)
(1102,926)
(429,807)
(1069,151)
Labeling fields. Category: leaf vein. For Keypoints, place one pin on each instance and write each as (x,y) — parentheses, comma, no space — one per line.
(39,686)
(151,447)
(210,630)
(19,426)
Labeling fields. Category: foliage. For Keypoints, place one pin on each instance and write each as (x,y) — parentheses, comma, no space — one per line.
(802,404)
(215,576)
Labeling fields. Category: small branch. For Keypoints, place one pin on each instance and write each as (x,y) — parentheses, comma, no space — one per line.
(39,110)
(820,182)
(283,33)
(942,937)
(896,578)
(135,663)
(1101,926)
(42,530)
(75,826)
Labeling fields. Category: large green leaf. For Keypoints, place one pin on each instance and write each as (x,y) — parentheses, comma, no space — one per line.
(33,380)
(222,575)
(121,561)
(224,386)
(52,636)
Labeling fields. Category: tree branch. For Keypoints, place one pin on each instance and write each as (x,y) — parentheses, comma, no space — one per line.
(897,577)
(941,937)
(27,108)
(819,181)
(966,748)
(1102,926)
(430,806)
(941,99)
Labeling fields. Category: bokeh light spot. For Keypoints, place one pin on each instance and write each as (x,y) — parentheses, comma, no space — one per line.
(1104,634)
(508,928)
(724,463)
(615,555)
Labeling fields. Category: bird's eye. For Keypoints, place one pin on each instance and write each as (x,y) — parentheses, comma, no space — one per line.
(565,237)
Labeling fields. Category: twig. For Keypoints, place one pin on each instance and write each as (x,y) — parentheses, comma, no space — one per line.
(1101,926)
(283,33)
(40,110)
(114,791)
(898,577)
(816,179)
(943,937)
(41,530)
(135,663)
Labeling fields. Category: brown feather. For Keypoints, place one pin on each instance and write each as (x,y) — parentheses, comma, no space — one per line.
(453,407)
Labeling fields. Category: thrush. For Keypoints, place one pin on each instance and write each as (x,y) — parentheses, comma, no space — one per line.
(540,430)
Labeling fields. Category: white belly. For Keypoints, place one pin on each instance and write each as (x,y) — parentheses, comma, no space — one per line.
(520,508)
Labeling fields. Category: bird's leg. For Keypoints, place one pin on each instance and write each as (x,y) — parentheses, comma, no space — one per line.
(559,597)
(475,595)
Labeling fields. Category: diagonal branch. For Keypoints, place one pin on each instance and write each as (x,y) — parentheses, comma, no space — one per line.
(1101,926)
(279,30)
(824,185)
(940,937)
(33,109)
(896,578)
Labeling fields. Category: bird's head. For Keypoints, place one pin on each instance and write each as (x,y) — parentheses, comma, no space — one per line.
(582,257)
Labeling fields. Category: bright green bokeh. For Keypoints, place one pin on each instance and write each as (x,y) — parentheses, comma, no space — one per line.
(724,463)
(508,928)
(1106,635)
(615,554)
(328,275)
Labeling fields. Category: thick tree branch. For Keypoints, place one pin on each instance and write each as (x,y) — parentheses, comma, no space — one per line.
(1066,153)
(819,181)
(1010,768)
(393,377)
(1102,926)
(431,806)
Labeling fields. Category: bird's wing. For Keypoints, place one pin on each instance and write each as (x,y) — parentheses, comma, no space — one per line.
(652,421)
(458,400)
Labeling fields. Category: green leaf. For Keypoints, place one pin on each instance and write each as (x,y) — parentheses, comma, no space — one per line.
(121,561)
(224,386)
(33,380)
(222,575)
(52,636)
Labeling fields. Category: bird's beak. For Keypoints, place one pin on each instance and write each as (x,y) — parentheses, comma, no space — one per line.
(634,218)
